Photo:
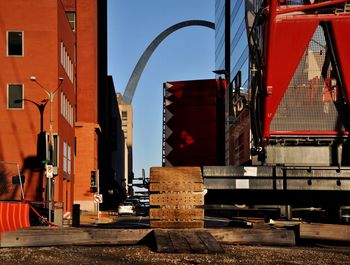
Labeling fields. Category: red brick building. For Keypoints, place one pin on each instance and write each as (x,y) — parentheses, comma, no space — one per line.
(87,126)
(37,40)
(47,40)
(98,135)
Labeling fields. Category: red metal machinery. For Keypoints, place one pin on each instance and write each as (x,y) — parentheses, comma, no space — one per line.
(302,87)
(291,30)
(295,119)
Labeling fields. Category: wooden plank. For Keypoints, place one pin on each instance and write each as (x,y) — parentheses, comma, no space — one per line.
(176,214)
(159,174)
(116,236)
(175,186)
(72,236)
(179,242)
(176,199)
(316,231)
(196,244)
(212,245)
(271,237)
(49,238)
(176,224)
(163,241)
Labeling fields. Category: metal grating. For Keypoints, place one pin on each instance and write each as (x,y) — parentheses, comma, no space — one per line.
(309,103)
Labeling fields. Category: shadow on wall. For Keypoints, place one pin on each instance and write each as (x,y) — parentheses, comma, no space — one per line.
(3,181)
(33,181)
(33,169)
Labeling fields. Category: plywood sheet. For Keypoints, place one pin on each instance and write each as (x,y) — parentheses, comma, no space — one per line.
(185,241)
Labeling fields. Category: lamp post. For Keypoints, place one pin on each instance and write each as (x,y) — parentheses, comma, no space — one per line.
(51,95)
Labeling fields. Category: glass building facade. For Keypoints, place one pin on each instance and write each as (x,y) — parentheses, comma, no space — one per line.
(239,51)
(238,41)
(232,55)
(220,34)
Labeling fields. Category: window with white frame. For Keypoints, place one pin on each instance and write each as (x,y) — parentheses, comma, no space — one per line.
(66,62)
(71,19)
(14,96)
(64,156)
(66,109)
(68,159)
(15,43)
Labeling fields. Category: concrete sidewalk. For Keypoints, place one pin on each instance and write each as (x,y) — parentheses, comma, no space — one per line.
(92,218)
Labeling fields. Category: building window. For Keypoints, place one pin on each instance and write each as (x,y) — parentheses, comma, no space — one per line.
(66,109)
(68,159)
(71,19)
(64,156)
(14,92)
(66,62)
(15,43)
(67,163)
(124,115)
(56,151)
(238,79)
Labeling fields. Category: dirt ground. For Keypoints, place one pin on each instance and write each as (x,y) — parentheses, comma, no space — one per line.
(234,254)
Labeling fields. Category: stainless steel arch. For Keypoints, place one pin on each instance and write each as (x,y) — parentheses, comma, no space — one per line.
(136,74)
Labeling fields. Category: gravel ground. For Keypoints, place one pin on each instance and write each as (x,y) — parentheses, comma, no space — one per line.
(234,254)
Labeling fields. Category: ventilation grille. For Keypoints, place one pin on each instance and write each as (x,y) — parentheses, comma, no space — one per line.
(311,100)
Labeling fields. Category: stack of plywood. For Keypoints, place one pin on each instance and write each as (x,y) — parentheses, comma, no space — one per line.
(176,197)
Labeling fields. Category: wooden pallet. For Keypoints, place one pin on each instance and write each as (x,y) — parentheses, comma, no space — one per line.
(176,197)
(186,241)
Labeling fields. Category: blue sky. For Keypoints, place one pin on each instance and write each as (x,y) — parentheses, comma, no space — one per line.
(187,54)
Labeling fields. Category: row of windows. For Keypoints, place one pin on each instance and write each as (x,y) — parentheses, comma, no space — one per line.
(66,154)
(66,62)
(66,109)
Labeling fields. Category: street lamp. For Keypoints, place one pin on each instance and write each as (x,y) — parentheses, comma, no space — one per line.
(51,95)
(220,72)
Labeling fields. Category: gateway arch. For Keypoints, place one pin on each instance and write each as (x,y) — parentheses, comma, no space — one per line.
(136,74)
